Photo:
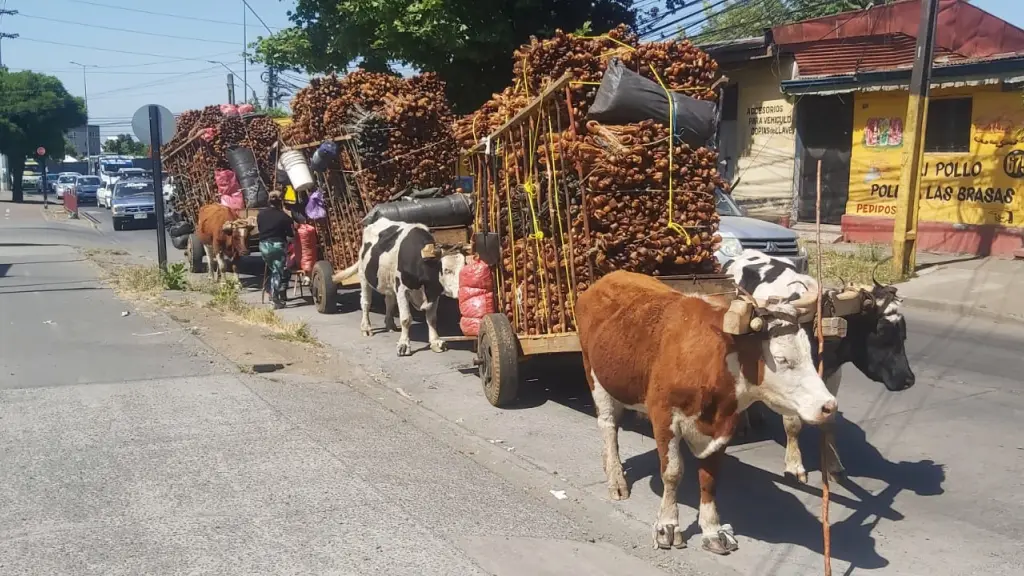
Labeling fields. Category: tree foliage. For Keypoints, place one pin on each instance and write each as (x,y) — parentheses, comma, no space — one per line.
(744,18)
(125,145)
(35,110)
(469,43)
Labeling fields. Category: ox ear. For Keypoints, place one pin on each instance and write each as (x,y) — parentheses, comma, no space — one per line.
(430,252)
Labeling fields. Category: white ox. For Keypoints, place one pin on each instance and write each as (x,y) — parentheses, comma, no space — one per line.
(400,261)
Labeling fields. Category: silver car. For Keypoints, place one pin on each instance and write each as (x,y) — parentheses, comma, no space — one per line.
(132,202)
(741,233)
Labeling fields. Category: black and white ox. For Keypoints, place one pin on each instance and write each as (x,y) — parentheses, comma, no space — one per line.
(874,341)
(401,262)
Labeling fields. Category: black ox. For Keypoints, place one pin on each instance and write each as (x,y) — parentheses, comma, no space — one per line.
(874,341)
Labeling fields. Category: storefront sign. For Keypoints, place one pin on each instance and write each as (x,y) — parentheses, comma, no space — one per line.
(770,119)
(982,186)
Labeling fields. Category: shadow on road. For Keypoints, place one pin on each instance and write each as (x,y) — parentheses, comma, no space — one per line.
(750,498)
(33,290)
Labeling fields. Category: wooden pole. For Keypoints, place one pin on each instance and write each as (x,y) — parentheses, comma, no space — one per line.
(825,529)
(904,232)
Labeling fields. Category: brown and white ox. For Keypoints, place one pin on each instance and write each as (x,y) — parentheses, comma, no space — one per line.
(654,350)
(225,237)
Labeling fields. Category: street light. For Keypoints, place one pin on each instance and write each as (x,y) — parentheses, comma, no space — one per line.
(88,138)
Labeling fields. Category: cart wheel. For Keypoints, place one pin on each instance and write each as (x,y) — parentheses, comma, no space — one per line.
(325,291)
(194,254)
(498,355)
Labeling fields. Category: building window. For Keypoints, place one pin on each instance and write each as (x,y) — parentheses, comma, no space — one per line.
(949,125)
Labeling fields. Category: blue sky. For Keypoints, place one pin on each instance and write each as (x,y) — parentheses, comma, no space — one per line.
(135,66)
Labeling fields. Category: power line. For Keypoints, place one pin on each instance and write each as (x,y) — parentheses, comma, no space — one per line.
(127,30)
(257,16)
(196,59)
(702,10)
(152,13)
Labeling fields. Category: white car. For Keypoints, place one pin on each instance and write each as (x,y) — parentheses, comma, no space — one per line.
(65,181)
(103,197)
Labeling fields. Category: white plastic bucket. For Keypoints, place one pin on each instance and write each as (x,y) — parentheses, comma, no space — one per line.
(294,163)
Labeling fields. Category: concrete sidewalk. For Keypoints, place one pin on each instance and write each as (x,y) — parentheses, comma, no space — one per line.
(969,286)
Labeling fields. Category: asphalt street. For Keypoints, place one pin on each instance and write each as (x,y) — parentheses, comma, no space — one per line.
(137,239)
(935,473)
(127,446)
(174,462)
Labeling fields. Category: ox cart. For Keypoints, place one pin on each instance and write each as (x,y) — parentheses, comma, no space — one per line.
(340,233)
(193,165)
(514,334)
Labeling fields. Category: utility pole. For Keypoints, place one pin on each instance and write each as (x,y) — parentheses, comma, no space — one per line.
(5,35)
(231,88)
(271,87)
(245,49)
(904,233)
(88,136)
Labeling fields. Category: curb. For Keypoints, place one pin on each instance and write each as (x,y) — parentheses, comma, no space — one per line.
(961,309)
(92,219)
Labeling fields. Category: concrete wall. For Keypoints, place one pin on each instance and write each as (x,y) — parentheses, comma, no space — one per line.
(970,202)
(760,145)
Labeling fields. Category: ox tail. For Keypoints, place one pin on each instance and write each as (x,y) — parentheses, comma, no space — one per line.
(345,274)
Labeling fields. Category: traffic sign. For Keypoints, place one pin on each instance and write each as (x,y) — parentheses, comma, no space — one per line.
(140,124)
(40,151)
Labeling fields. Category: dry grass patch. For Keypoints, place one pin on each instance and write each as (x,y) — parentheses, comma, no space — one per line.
(856,266)
(227,298)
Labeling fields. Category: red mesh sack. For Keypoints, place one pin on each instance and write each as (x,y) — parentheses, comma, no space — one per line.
(229,109)
(246,108)
(476,296)
(470,326)
(308,250)
(476,274)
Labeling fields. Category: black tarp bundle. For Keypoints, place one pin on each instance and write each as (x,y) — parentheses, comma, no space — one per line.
(243,163)
(625,97)
(453,210)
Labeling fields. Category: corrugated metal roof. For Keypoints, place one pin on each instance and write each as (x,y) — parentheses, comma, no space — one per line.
(884,36)
(861,54)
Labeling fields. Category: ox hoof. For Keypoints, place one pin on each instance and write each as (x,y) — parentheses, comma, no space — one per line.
(668,536)
(404,349)
(798,474)
(390,326)
(366,330)
(618,489)
(438,345)
(722,543)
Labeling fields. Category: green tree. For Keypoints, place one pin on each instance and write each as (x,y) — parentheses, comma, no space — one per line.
(124,145)
(69,148)
(35,110)
(744,18)
(468,43)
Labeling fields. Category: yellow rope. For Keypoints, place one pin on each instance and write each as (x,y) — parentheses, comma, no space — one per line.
(558,216)
(512,248)
(672,225)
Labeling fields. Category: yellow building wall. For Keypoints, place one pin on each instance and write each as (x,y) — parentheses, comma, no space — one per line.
(766,137)
(982,186)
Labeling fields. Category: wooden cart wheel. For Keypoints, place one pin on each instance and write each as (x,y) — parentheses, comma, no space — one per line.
(194,254)
(498,356)
(325,292)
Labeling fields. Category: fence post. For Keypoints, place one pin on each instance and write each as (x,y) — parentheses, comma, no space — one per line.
(71,204)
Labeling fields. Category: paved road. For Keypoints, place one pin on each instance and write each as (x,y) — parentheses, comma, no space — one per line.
(139,239)
(936,473)
(128,447)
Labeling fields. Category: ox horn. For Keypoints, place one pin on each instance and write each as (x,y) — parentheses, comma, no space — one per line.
(807,302)
(874,281)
